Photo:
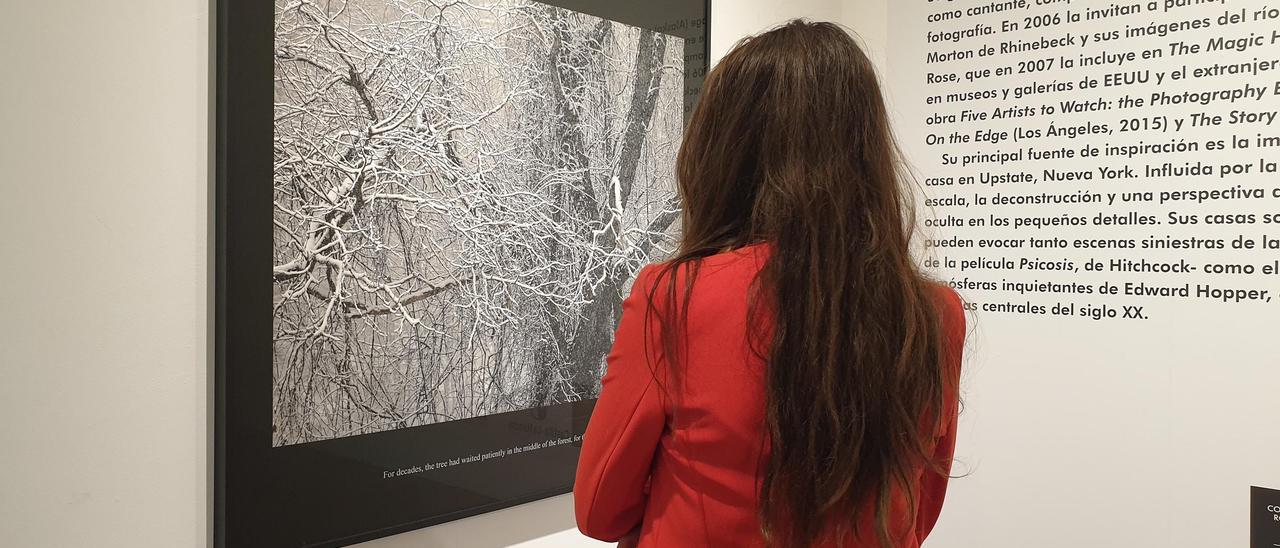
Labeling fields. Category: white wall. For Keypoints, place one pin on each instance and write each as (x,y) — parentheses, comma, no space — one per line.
(103,212)
(104,278)
(104,200)
(1102,434)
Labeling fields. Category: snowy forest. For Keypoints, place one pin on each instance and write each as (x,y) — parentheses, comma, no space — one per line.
(464,192)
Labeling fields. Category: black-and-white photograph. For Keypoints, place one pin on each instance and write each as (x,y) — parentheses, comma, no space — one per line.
(463,194)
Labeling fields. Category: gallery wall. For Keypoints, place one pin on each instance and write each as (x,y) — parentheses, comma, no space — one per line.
(104,331)
(1110,400)
(104,338)
(1101,433)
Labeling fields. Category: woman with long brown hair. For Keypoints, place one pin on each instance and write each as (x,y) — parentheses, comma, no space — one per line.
(790,377)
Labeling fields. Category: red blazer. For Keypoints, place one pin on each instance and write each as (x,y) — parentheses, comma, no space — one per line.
(683,470)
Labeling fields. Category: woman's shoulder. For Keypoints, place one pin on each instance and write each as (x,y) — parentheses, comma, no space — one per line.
(729,271)
(748,259)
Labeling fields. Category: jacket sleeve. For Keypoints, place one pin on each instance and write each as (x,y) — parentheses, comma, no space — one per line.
(933,485)
(629,418)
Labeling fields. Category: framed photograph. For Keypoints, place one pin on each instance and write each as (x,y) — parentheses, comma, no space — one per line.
(428,214)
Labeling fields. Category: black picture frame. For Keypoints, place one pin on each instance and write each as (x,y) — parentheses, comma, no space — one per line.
(332,493)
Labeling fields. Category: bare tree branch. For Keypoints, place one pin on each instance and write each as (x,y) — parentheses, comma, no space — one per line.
(463,192)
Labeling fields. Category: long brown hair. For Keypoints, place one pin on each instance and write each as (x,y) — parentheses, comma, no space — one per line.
(790,145)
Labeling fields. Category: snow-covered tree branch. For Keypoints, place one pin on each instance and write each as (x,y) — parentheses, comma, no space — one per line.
(464,191)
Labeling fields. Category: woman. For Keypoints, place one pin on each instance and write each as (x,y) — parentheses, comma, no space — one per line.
(790,378)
